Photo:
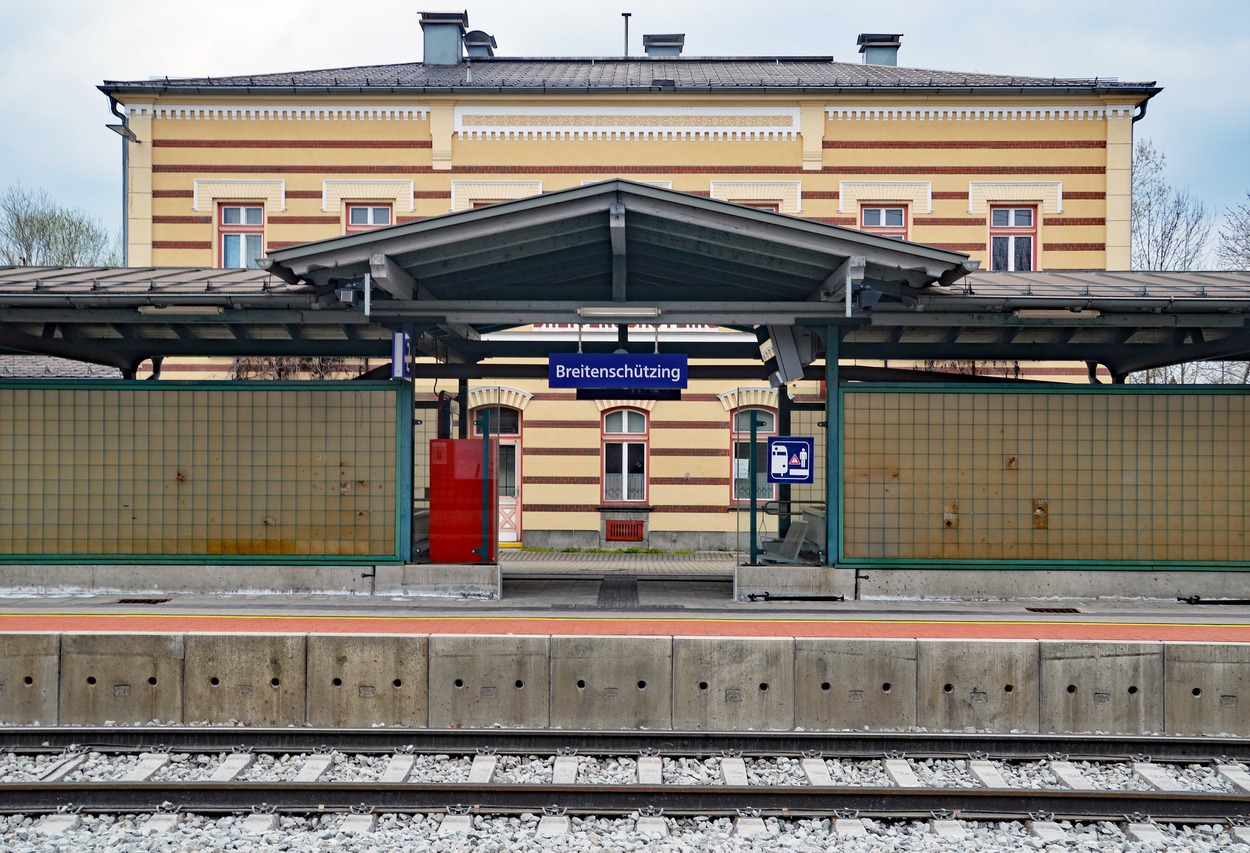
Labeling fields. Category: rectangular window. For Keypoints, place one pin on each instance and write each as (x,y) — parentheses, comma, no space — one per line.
(625,471)
(1013,239)
(242,230)
(766,425)
(887,221)
(624,456)
(364,217)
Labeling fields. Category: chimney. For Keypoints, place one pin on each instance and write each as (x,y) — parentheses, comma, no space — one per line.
(478,44)
(664,44)
(444,32)
(879,48)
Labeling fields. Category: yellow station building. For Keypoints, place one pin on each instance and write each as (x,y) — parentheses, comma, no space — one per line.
(1020,174)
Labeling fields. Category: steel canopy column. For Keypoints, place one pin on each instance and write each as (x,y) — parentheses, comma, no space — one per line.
(833,447)
(462,399)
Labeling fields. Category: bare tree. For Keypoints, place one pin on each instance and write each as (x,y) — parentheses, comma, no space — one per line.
(36,232)
(1170,225)
(296,367)
(1233,248)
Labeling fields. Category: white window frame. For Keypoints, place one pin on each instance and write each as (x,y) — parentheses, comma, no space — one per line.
(244,232)
(629,486)
(1012,233)
(740,441)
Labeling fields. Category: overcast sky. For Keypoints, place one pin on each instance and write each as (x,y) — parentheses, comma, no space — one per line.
(54,53)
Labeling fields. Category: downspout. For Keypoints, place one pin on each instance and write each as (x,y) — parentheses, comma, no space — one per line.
(125,180)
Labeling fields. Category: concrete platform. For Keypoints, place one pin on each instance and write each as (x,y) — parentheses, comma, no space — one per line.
(620,650)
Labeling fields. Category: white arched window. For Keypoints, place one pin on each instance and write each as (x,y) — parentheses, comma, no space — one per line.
(624,456)
(766,421)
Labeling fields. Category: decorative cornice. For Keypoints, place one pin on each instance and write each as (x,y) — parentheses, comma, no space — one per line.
(1049,194)
(333,193)
(788,195)
(281,112)
(499,395)
(633,123)
(645,405)
(917,194)
(208,192)
(978,112)
(738,398)
(465,193)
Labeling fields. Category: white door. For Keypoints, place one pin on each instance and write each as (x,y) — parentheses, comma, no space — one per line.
(509,490)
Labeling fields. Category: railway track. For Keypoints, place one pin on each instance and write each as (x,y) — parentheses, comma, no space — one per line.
(73,775)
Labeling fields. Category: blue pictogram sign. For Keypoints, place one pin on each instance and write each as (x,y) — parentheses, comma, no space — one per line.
(791,460)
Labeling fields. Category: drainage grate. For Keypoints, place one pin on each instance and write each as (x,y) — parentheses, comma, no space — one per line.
(618,592)
(142,600)
(617,530)
(1052,610)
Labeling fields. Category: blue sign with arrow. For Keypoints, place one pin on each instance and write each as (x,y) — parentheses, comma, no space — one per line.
(791,459)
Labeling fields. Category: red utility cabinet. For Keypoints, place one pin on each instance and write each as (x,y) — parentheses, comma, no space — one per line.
(461,508)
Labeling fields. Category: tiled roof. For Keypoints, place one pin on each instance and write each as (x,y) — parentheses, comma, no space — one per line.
(574,74)
(50,367)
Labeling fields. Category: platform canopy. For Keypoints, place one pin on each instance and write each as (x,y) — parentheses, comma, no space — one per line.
(621,252)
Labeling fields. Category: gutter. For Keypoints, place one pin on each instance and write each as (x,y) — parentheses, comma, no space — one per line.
(125,119)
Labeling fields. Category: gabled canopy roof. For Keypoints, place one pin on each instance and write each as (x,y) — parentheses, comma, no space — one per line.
(621,252)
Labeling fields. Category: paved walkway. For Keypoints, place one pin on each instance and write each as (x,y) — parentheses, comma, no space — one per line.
(517,562)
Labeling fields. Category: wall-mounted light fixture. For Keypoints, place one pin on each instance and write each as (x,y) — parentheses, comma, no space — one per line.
(1055,313)
(625,312)
(181,309)
(123,131)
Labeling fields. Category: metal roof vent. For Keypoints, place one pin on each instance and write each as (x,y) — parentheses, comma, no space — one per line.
(879,48)
(664,44)
(444,32)
(478,44)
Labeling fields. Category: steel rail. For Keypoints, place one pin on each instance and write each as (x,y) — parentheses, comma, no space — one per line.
(674,800)
(851,745)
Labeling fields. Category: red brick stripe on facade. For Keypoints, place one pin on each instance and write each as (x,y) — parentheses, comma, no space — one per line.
(959,247)
(835,220)
(182,194)
(951,220)
(992,144)
(292,143)
(691,508)
(689,451)
(567,424)
(822,194)
(1074,220)
(847,169)
(560,481)
(304,193)
(182,244)
(1074,247)
(182,220)
(562,507)
(1085,196)
(408,169)
(656,424)
(304,220)
(693,481)
(560,451)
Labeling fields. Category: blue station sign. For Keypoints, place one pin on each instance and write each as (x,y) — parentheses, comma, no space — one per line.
(666,371)
(791,459)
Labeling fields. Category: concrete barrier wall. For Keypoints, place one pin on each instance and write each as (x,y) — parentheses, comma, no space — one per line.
(658,683)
